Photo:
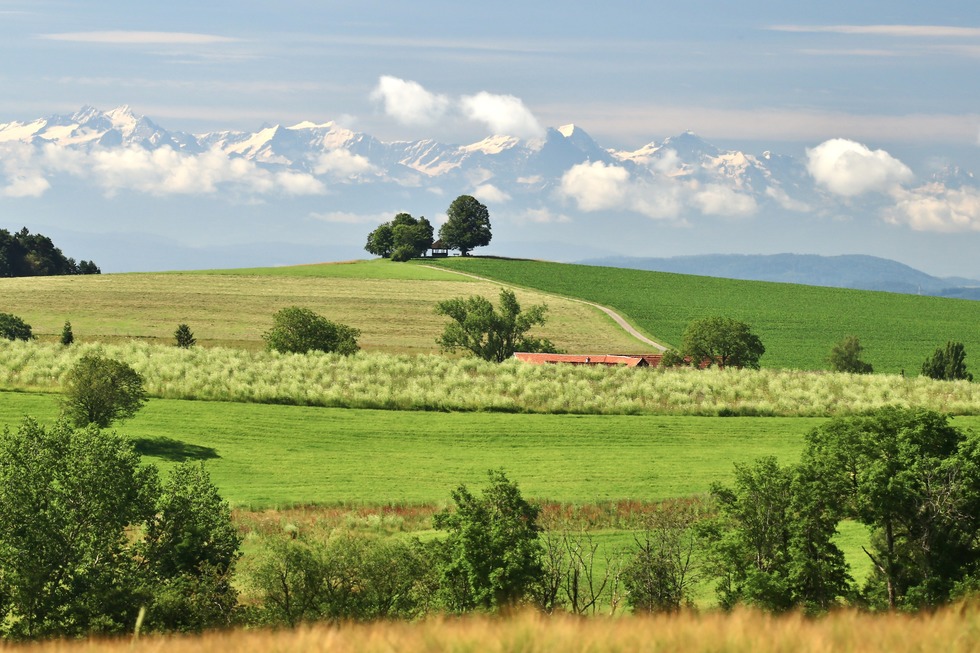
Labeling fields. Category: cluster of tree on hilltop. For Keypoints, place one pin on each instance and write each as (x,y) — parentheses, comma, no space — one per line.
(467,226)
(23,254)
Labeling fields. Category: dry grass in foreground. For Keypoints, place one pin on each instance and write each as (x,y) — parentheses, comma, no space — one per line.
(952,630)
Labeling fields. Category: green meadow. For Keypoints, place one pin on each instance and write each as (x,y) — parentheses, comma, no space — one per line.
(278,456)
(797,324)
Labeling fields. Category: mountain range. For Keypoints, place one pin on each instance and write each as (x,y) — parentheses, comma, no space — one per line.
(121,189)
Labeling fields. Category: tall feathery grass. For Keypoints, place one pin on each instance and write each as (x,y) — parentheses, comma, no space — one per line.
(439,383)
(951,630)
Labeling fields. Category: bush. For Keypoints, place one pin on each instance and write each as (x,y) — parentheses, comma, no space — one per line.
(100,391)
(14,328)
(299,330)
(846,357)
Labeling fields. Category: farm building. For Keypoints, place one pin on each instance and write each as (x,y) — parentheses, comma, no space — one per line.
(628,360)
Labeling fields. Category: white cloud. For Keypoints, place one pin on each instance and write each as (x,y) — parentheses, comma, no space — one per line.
(503,114)
(934,207)
(490,193)
(782,198)
(928,31)
(847,168)
(139,38)
(596,186)
(159,172)
(408,102)
(342,164)
(715,199)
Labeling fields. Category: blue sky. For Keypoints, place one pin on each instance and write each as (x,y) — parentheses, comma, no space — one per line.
(898,79)
(885,73)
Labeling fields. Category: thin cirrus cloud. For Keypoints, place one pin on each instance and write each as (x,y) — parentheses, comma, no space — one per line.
(138,38)
(917,31)
(410,103)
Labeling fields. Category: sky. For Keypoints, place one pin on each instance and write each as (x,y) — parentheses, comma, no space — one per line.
(900,77)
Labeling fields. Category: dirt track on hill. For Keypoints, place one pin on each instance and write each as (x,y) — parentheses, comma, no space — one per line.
(619,319)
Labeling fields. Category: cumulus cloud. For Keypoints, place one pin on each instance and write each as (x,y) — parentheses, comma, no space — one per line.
(934,207)
(490,193)
(342,164)
(597,186)
(503,114)
(159,172)
(849,169)
(409,102)
(715,199)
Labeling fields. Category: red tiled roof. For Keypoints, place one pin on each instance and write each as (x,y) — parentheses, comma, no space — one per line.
(629,360)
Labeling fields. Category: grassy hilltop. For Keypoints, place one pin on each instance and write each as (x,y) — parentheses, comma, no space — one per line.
(797,324)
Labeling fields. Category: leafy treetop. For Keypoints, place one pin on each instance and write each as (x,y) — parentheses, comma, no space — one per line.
(468,225)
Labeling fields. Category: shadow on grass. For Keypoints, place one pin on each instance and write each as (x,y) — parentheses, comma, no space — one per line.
(171,449)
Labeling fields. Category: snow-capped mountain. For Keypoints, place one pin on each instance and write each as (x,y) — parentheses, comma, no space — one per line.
(561,196)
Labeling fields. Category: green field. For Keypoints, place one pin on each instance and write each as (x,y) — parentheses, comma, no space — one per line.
(267,455)
(797,324)
(392,304)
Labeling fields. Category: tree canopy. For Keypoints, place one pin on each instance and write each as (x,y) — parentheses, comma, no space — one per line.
(23,254)
(721,341)
(947,363)
(491,557)
(73,503)
(477,327)
(845,356)
(468,225)
(401,239)
(100,391)
(299,330)
(14,328)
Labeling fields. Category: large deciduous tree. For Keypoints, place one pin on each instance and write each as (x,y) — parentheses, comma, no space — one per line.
(491,557)
(494,336)
(100,391)
(66,499)
(468,225)
(88,536)
(401,239)
(722,341)
(299,330)
(914,480)
(947,363)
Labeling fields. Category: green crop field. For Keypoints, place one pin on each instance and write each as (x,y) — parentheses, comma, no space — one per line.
(391,303)
(269,455)
(797,324)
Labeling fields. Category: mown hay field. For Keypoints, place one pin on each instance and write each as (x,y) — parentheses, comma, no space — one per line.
(391,303)
(955,629)
(797,324)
